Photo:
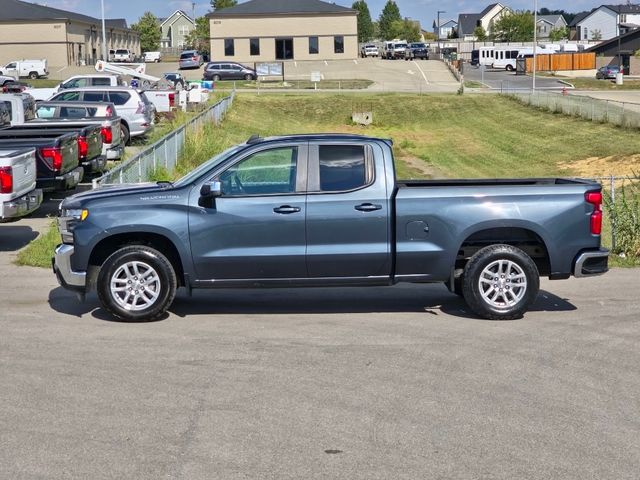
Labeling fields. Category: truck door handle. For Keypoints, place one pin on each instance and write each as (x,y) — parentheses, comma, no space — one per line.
(286,209)
(368,207)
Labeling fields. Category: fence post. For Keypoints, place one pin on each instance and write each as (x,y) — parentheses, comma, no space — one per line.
(613,221)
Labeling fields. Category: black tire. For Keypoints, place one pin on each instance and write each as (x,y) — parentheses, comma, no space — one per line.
(215,78)
(163,287)
(33,75)
(248,76)
(126,137)
(520,268)
(509,68)
(457,285)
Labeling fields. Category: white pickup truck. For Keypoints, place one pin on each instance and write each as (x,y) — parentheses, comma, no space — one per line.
(18,193)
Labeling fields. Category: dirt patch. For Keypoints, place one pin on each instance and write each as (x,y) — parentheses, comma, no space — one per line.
(616,165)
(417,164)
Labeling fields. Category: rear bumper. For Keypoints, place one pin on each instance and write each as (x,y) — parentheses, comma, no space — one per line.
(115,153)
(66,181)
(67,278)
(98,164)
(591,263)
(21,206)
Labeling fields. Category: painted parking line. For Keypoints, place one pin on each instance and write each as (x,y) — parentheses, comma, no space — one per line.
(423,75)
(355,61)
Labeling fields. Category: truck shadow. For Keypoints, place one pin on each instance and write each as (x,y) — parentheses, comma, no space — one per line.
(13,237)
(429,299)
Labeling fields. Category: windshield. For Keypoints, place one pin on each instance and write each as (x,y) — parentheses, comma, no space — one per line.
(208,165)
(122,51)
(418,45)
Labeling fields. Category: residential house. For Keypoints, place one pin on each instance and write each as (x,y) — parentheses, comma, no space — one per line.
(446,30)
(573,25)
(29,30)
(620,50)
(175,30)
(608,21)
(468,22)
(268,30)
(546,23)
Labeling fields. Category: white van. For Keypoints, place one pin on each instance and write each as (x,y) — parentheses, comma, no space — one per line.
(26,68)
(152,57)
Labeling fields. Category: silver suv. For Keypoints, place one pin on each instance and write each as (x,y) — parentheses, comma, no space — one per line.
(135,110)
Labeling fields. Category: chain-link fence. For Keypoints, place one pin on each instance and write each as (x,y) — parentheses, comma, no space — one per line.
(165,152)
(623,114)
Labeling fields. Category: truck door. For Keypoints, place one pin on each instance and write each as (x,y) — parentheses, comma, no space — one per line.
(256,229)
(348,225)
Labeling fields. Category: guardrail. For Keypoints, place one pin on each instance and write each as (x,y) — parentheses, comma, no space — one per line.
(623,114)
(165,152)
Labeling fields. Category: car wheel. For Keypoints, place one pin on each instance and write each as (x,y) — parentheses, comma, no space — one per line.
(126,136)
(509,68)
(248,76)
(215,78)
(137,283)
(500,282)
(33,75)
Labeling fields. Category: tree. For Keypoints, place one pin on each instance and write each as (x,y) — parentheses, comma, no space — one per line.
(148,28)
(365,25)
(514,27)
(557,34)
(198,38)
(219,4)
(411,30)
(390,13)
(480,33)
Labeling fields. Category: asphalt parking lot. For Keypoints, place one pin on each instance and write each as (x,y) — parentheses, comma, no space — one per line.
(354,383)
(503,81)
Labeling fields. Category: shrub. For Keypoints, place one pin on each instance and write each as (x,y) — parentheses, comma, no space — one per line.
(625,219)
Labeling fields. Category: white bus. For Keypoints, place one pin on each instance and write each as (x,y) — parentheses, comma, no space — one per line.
(505,57)
(485,55)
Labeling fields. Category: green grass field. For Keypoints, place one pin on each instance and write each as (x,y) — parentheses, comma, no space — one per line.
(469,136)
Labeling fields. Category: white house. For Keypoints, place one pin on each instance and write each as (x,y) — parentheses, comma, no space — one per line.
(447,27)
(468,22)
(608,21)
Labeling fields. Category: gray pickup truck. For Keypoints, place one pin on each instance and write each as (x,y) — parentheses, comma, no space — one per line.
(326,210)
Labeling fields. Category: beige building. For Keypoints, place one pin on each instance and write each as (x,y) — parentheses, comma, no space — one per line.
(28,30)
(268,30)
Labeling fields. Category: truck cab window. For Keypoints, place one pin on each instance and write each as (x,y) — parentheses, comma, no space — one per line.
(264,173)
(342,167)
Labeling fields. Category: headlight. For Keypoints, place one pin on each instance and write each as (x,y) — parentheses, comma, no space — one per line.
(67,221)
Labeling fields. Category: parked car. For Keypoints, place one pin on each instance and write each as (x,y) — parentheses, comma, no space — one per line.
(26,68)
(326,210)
(395,49)
(91,80)
(369,50)
(190,59)
(228,71)
(18,193)
(607,72)
(417,50)
(176,79)
(152,57)
(123,55)
(136,112)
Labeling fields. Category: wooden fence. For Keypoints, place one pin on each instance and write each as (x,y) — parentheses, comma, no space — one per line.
(563,61)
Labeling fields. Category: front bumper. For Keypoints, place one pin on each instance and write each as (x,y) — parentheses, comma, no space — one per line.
(67,278)
(21,206)
(98,164)
(591,263)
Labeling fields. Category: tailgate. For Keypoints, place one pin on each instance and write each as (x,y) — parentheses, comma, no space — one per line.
(23,169)
(68,145)
(94,141)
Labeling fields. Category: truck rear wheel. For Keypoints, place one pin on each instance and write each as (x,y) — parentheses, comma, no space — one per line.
(500,282)
(33,75)
(137,283)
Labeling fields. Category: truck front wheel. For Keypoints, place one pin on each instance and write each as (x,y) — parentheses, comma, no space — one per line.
(500,282)
(137,283)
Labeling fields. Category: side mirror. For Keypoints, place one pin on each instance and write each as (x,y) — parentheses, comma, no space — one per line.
(211,189)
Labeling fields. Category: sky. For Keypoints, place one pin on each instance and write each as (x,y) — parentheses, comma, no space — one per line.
(423,10)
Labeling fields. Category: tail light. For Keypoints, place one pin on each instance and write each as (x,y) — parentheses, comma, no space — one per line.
(172,100)
(54,156)
(6,180)
(595,222)
(140,108)
(109,112)
(107,135)
(194,58)
(83,147)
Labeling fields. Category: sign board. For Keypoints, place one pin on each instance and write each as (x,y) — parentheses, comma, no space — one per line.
(316,76)
(269,69)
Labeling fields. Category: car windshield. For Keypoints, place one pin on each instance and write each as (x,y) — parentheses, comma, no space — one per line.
(187,55)
(418,45)
(206,166)
(122,51)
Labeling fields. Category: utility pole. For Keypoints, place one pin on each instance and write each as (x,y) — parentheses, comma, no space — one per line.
(104,35)
(438,26)
(535,41)
(193,11)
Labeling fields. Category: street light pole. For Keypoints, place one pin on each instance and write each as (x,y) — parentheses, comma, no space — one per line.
(535,41)
(438,26)
(104,35)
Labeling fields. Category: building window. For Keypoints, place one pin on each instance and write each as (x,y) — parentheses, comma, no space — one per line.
(585,33)
(184,30)
(338,44)
(313,45)
(254,46)
(229,47)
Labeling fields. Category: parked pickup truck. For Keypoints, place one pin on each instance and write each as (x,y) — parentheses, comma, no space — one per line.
(18,193)
(326,210)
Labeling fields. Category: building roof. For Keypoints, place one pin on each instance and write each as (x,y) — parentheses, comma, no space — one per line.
(281,7)
(467,23)
(116,23)
(551,19)
(25,11)
(579,17)
(174,16)
(623,8)
(488,8)
(602,47)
